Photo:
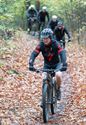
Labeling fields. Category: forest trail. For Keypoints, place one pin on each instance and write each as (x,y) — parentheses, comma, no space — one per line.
(20,89)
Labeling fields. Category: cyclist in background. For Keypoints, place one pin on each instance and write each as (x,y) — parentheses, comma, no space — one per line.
(31,13)
(42,15)
(51,52)
(60,32)
(53,22)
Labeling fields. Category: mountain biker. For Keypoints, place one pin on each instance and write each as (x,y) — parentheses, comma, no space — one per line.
(60,32)
(51,52)
(42,15)
(31,13)
(53,22)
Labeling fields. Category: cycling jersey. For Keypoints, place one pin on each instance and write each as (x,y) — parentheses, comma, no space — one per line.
(31,13)
(50,53)
(42,16)
(52,24)
(60,33)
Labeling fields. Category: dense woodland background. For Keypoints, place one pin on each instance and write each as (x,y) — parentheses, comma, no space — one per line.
(18,106)
(72,12)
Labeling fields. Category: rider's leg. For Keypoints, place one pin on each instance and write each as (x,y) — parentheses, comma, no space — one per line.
(58,78)
(63,44)
(29,25)
(39,26)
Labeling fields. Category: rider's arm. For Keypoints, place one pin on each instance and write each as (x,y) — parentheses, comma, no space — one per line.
(47,15)
(55,30)
(68,34)
(63,60)
(36,13)
(27,13)
(34,54)
(39,15)
(62,54)
(49,24)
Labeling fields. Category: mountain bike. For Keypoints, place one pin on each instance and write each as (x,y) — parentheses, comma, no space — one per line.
(49,94)
(33,24)
(62,43)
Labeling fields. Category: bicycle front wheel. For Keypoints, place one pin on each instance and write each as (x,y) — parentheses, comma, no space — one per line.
(46,105)
(54,100)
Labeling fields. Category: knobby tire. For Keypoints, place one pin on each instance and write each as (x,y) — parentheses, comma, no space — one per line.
(54,100)
(45,103)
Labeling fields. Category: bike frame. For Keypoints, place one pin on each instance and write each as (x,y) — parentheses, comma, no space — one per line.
(62,43)
(33,23)
(49,98)
(49,95)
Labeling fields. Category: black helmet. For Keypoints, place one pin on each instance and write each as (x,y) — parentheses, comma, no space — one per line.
(60,24)
(47,32)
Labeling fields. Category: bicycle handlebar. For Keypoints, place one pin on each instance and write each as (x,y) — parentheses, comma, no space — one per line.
(62,41)
(45,70)
(48,70)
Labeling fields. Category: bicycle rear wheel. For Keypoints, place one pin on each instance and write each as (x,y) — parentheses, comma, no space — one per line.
(35,26)
(46,105)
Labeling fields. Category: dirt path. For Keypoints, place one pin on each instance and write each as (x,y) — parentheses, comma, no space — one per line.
(20,89)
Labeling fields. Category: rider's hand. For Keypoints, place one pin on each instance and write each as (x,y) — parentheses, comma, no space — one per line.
(61,41)
(69,40)
(31,68)
(64,67)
